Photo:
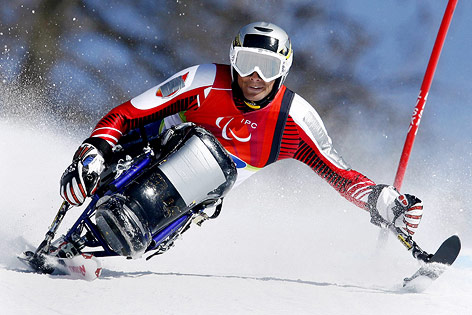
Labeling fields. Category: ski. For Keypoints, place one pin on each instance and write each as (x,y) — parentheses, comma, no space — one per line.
(434,266)
(83,266)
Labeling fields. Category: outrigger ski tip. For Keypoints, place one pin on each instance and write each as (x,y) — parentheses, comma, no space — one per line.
(38,263)
(435,266)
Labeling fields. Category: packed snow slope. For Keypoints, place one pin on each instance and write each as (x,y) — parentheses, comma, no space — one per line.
(285,243)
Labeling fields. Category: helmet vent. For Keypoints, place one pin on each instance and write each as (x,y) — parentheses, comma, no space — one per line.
(263,29)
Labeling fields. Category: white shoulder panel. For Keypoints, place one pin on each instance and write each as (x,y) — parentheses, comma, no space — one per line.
(310,121)
(181,82)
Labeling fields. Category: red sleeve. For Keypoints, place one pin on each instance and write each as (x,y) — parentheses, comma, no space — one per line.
(125,117)
(351,184)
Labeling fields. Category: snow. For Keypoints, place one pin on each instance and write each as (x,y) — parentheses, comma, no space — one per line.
(285,243)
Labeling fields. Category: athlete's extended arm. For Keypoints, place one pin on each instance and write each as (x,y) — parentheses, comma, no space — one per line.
(314,148)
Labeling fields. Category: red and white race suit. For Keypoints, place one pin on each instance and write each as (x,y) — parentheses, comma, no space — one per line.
(288,127)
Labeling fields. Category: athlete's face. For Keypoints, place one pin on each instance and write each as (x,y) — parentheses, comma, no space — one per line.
(253,87)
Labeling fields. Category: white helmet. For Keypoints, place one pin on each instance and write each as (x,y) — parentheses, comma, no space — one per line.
(263,48)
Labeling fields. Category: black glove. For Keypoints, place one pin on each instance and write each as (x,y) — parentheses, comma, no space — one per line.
(80,180)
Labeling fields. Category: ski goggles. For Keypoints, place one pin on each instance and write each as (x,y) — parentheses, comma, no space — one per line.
(268,65)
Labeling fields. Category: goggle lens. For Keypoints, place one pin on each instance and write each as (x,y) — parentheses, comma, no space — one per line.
(248,62)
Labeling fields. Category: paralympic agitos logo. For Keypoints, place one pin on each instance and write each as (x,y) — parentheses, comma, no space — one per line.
(228,134)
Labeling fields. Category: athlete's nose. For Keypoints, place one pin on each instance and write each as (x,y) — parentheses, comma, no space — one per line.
(255,76)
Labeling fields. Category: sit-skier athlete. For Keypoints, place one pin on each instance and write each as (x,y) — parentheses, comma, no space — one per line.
(257,119)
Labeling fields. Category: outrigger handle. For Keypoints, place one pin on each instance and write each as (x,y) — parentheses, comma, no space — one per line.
(410,244)
(406,240)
